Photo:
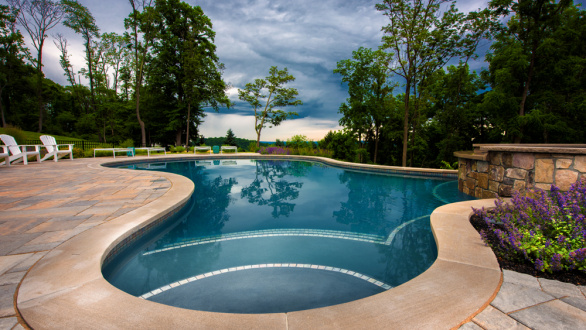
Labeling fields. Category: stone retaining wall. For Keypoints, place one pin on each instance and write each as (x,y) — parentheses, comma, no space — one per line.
(495,170)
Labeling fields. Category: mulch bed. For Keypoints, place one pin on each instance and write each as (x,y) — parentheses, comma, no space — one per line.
(524,266)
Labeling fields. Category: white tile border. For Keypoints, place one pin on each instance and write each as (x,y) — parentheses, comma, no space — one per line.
(176,284)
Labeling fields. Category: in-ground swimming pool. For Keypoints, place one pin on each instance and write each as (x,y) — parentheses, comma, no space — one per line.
(262,236)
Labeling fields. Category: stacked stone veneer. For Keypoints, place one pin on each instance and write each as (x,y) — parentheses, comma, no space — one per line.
(500,173)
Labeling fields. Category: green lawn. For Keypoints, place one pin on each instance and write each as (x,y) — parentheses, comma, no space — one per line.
(35,136)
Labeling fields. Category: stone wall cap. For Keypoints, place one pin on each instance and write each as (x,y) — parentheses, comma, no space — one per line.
(534,148)
(471,155)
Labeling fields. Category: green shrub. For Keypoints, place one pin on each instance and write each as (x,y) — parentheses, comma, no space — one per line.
(16,133)
(252,147)
(447,166)
(361,156)
(129,143)
(78,153)
(179,149)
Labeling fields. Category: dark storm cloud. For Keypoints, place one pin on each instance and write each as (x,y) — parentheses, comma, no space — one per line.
(307,36)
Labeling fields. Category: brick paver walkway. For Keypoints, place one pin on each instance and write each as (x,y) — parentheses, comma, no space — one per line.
(43,205)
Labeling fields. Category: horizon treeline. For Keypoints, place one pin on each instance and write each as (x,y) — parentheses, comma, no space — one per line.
(152,83)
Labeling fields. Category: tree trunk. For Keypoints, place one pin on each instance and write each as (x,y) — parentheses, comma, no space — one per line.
(188,124)
(90,71)
(40,85)
(40,99)
(406,124)
(376,135)
(258,139)
(140,122)
(526,90)
(178,137)
(2,109)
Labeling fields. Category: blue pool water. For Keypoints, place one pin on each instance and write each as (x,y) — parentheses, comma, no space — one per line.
(264,236)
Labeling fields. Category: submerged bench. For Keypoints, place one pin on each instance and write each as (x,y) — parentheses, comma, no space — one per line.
(149,149)
(115,150)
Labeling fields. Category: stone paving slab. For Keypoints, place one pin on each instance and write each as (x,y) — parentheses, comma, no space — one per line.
(527,303)
(492,318)
(8,322)
(39,212)
(7,300)
(560,289)
(579,303)
(470,326)
(526,280)
(513,297)
(552,315)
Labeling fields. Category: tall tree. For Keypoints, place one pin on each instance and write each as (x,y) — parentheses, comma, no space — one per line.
(455,117)
(421,40)
(370,92)
(114,49)
(12,53)
(230,138)
(185,66)
(274,95)
(529,27)
(38,17)
(140,21)
(79,19)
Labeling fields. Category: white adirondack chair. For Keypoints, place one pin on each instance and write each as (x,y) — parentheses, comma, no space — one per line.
(19,152)
(4,154)
(53,148)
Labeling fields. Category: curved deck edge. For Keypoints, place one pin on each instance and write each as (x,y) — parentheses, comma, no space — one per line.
(66,288)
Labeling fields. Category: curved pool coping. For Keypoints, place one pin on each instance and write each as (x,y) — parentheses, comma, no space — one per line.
(66,289)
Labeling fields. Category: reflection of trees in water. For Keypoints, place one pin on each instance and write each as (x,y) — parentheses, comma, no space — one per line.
(379,203)
(368,204)
(211,198)
(270,186)
(412,251)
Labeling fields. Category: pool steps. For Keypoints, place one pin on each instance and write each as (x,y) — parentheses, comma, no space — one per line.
(234,269)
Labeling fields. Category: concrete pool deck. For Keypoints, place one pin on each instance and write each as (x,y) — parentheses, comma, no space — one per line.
(59,220)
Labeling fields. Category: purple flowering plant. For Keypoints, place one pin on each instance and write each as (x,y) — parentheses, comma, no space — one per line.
(548,229)
(274,151)
(291,151)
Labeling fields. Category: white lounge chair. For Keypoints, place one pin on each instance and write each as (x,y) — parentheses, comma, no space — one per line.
(53,148)
(4,154)
(19,152)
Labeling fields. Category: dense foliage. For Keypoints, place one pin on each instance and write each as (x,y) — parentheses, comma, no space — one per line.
(150,84)
(549,229)
(533,91)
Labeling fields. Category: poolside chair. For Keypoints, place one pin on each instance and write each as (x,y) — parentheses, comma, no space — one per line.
(216,149)
(53,148)
(19,152)
(4,154)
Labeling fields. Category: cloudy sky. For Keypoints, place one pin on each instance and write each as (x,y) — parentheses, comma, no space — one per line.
(307,36)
